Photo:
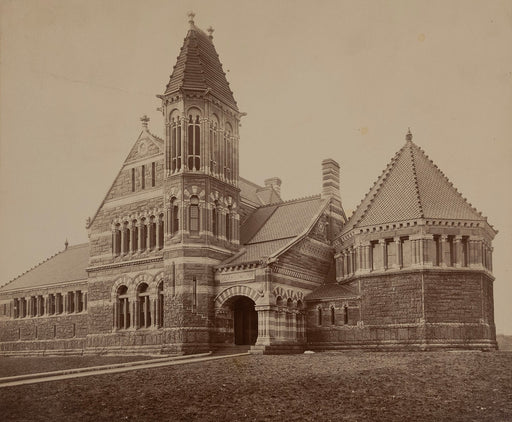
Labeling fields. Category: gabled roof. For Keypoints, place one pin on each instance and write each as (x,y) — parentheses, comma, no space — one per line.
(198,68)
(270,229)
(68,265)
(411,187)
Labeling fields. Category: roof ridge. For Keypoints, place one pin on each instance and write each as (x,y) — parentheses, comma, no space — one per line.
(289,201)
(34,267)
(416,185)
(450,183)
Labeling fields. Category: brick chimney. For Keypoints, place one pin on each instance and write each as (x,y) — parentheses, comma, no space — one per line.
(274,182)
(330,179)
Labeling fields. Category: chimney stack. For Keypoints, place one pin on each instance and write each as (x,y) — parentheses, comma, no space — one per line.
(330,179)
(274,182)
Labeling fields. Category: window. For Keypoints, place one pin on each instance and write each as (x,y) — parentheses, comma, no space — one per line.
(71,302)
(345,315)
(59,303)
(161,231)
(451,246)
(51,304)
(228,224)
(194,286)
(152,232)
(390,253)
(143,306)
(40,305)
(194,141)
(173,222)
(228,153)
(175,142)
(126,241)
(214,148)
(153,174)
(143,177)
(122,312)
(465,251)
(116,240)
(33,306)
(160,304)
(215,230)
(144,234)
(80,301)
(16,308)
(319,316)
(405,250)
(135,236)
(194,215)
(333,316)
(133,179)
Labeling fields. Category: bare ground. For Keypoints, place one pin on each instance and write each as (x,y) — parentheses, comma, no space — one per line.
(353,386)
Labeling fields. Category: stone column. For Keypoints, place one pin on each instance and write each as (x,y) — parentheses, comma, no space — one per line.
(444,258)
(123,235)
(427,249)
(398,253)
(383,254)
(184,146)
(457,244)
(157,233)
(148,235)
(267,324)
(115,311)
(139,240)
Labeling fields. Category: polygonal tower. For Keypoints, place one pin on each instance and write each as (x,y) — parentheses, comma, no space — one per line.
(200,187)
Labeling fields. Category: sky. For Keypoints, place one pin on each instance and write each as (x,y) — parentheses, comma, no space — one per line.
(326,79)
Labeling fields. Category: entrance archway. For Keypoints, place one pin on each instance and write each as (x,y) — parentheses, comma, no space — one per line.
(245,321)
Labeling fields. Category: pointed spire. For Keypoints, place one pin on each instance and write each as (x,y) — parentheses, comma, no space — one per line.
(191,16)
(145,120)
(408,137)
(210,32)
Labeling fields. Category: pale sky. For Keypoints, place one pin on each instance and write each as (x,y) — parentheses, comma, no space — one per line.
(326,79)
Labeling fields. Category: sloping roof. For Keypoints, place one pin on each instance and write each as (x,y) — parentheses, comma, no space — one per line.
(269,229)
(411,187)
(65,266)
(338,291)
(258,195)
(198,68)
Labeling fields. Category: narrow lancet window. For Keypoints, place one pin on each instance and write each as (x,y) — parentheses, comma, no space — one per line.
(194,215)
(194,141)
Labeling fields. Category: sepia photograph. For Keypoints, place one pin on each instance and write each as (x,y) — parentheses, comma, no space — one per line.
(255,211)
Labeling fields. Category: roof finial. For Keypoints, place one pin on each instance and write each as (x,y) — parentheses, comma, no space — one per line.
(191,16)
(66,244)
(408,137)
(144,119)
(210,31)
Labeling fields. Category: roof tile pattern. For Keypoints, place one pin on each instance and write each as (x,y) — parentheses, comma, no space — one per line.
(411,187)
(198,68)
(68,265)
(271,228)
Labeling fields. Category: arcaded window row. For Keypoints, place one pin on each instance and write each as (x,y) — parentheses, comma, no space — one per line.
(52,304)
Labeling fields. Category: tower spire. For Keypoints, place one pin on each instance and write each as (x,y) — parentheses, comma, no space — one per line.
(408,137)
(191,16)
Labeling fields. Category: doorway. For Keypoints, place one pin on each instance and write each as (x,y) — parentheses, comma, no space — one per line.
(245,321)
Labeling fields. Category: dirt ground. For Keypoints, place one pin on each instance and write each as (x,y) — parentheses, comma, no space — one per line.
(352,386)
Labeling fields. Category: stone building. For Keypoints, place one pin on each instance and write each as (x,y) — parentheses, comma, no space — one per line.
(184,255)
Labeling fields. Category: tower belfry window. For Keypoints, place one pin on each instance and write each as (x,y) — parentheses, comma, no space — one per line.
(194,142)
(175,144)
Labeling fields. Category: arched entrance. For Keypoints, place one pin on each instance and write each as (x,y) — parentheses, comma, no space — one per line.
(245,321)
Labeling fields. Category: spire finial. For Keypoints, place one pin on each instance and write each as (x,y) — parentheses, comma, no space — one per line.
(144,119)
(408,137)
(210,31)
(191,16)
(66,244)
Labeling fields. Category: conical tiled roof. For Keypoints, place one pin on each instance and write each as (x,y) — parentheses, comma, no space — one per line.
(198,68)
(411,187)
